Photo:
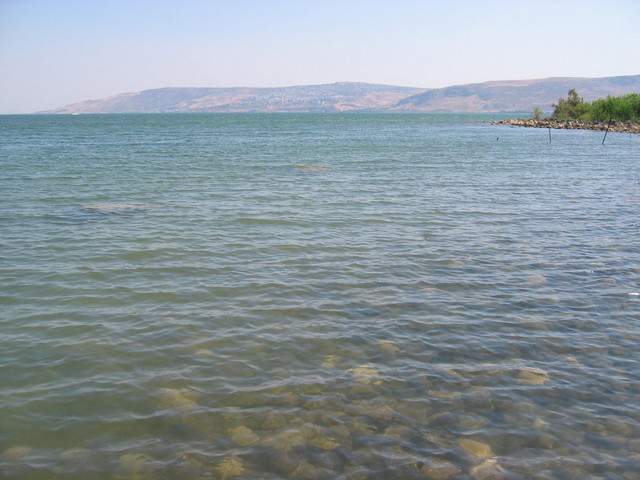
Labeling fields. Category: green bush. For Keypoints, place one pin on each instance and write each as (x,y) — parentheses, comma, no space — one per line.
(621,109)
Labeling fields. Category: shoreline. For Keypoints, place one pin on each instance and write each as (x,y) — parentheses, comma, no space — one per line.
(623,127)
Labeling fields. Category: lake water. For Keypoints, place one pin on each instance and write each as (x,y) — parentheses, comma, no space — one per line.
(311,296)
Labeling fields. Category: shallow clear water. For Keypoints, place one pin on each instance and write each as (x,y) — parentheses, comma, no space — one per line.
(278,296)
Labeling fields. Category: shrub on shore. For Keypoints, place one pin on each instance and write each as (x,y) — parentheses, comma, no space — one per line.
(626,108)
(621,109)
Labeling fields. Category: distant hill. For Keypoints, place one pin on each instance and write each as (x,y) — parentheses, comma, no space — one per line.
(515,95)
(336,97)
(496,96)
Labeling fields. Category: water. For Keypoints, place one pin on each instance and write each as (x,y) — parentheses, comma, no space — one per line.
(278,296)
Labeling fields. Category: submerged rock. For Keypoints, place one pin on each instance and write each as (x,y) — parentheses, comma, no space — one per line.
(477,448)
(229,468)
(75,454)
(362,426)
(203,353)
(115,207)
(273,420)
(443,394)
(243,436)
(479,399)
(13,453)
(437,469)
(312,168)
(533,375)
(388,346)
(324,443)
(540,424)
(308,471)
(181,398)
(532,280)
(489,470)
(366,374)
(342,435)
(136,464)
(459,421)
(573,360)
(331,361)
(400,432)
(293,437)
(281,462)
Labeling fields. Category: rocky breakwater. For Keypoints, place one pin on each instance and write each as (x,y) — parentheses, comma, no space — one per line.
(614,126)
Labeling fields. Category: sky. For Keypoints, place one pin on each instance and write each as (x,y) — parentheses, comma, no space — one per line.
(57,52)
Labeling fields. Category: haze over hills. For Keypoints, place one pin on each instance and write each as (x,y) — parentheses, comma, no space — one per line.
(494,96)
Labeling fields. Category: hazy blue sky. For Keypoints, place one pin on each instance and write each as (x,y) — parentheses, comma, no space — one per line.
(55,52)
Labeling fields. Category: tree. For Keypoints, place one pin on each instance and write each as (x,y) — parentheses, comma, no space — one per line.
(573,98)
(537,113)
(571,108)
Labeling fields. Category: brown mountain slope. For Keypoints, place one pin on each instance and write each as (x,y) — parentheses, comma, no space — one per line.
(515,95)
(334,97)
(496,96)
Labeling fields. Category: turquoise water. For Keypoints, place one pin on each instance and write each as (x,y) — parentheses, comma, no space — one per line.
(310,296)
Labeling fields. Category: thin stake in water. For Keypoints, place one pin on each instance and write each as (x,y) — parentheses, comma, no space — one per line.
(607,131)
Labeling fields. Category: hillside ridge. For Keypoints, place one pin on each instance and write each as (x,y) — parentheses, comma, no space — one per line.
(491,96)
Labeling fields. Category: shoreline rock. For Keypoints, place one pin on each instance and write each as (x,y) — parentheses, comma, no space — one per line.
(630,127)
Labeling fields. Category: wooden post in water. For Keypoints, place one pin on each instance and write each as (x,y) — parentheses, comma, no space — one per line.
(607,130)
(549,134)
